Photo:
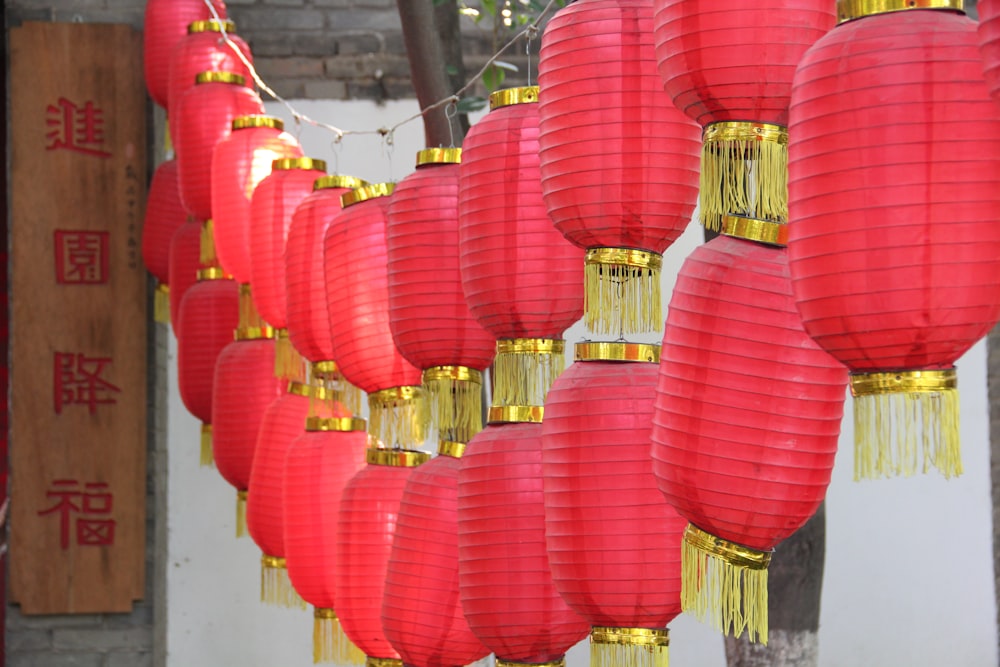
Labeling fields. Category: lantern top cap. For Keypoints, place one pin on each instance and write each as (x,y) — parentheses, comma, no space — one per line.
(510,96)
(303,389)
(516,414)
(338,181)
(848,10)
(400,458)
(220,77)
(256,120)
(211,25)
(768,232)
(341,424)
(211,273)
(366,192)
(292,163)
(617,351)
(439,156)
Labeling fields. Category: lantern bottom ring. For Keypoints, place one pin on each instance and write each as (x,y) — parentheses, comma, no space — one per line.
(325,370)
(903,381)
(371,661)
(516,414)
(635,636)
(737,554)
(629,647)
(767,232)
(314,424)
(462,373)
(561,662)
(848,10)
(400,458)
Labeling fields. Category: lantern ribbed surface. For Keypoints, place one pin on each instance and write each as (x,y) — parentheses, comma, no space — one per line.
(358,298)
(205,117)
(989,44)
(521,278)
(165,23)
(164,216)
(208,314)
(185,260)
(508,596)
(275,200)
(897,144)
(748,411)
(305,286)
(241,161)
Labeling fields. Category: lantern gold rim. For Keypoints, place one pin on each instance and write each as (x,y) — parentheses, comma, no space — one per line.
(210,273)
(220,77)
(324,369)
(731,552)
(530,346)
(253,333)
(338,424)
(630,636)
(740,130)
(439,156)
(163,288)
(642,259)
(461,373)
(366,192)
(768,232)
(242,494)
(211,25)
(338,181)
(849,10)
(273,562)
(305,163)
(516,414)
(371,661)
(903,382)
(451,448)
(511,96)
(325,613)
(392,394)
(561,662)
(281,333)
(398,458)
(257,120)
(617,351)
(308,390)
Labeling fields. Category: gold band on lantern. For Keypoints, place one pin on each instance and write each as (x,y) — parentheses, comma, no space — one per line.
(735,554)
(630,636)
(308,390)
(462,373)
(220,77)
(324,612)
(257,120)
(338,181)
(617,351)
(272,562)
(393,394)
(561,662)
(211,25)
(335,424)
(439,156)
(641,259)
(399,458)
(511,96)
(450,448)
(531,346)
(371,661)
(516,414)
(253,333)
(290,163)
(752,229)
(903,382)
(848,10)
(324,369)
(744,131)
(210,273)
(366,192)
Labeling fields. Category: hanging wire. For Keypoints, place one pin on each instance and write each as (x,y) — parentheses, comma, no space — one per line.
(450,112)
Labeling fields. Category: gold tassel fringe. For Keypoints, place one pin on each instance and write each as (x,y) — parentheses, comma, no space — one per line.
(398,418)
(207,458)
(275,586)
(456,401)
(524,370)
(330,643)
(206,248)
(337,387)
(161,304)
(241,514)
(622,291)
(724,584)
(744,171)
(249,316)
(629,647)
(288,363)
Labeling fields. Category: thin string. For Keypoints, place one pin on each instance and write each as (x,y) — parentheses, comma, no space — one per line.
(450,112)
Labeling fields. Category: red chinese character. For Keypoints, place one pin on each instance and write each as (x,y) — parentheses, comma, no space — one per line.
(77,381)
(75,128)
(81,257)
(94,500)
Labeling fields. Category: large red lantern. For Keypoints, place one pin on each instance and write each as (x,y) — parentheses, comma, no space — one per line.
(319,464)
(619,162)
(748,413)
(728,64)
(601,501)
(895,259)
(205,117)
(185,261)
(430,321)
(522,280)
(165,24)
(240,162)
(164,216)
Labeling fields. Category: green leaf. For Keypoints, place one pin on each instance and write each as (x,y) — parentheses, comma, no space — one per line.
(470,104)
(489,7)
(493,77)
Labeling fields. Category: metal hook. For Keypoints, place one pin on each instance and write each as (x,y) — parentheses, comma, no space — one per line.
(450,112)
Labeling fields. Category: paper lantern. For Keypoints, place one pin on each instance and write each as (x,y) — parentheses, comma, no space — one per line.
(185,260)
(319,464)
(729,64)
(205,117)
(429,319)
(601,501)
(521,279)
(164,216)
(369,508)
(203,49)
(748,413)
(240,162)
(619,162)
(165,23)
(910,278)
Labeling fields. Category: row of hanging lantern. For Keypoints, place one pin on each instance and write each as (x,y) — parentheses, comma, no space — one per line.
(521,535)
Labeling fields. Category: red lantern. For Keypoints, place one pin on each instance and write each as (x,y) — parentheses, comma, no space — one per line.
(164,216)
(369,508)
(240,162)
(203,49)
(909,278)
(185,261)
(728,64)
(748,413)
(508,596)
(601,500)
(165,24)
(430,321)
(209,312)
(320,462)
(522,280)
(205,117)
(619,162)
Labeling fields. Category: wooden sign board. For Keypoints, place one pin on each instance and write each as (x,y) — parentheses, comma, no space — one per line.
(78,318)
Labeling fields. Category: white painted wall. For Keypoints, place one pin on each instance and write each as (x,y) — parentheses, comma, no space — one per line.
(909,578)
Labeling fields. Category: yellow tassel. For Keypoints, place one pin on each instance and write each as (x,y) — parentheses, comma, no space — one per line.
(275,586)
(724,584)
(524,370)
(161,304)
(168,144)
(629,647)
(330,643)
(288,363)
(207,458)
(456,400)
(338,390)
(249,316)
(241,514)
(744,171)
(206,254)
(622,291)
(399,418)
